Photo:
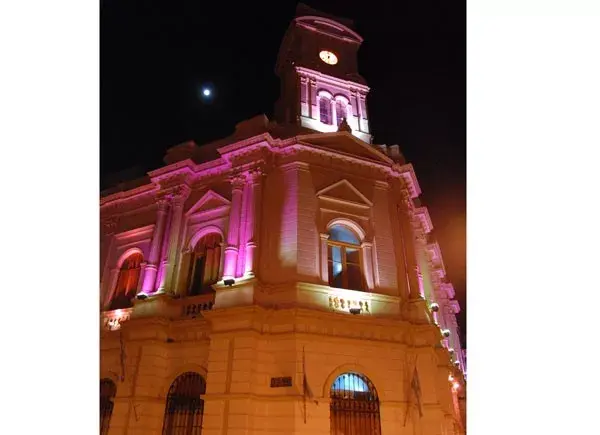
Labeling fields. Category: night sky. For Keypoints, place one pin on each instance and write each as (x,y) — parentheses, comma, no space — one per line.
(155,56)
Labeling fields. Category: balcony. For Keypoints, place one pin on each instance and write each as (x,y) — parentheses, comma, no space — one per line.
(161,305)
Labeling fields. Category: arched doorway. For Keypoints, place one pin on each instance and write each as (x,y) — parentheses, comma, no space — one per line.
(354,408)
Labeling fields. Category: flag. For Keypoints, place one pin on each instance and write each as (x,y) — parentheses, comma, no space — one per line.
(306,391)
(416,388)
(123,356)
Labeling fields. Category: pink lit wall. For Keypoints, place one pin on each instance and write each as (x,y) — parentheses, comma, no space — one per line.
(273,216)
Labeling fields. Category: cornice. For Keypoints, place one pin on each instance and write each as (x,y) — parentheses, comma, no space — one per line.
(407,173)
(325,78)
(127,195)
(263,140)
(423,215)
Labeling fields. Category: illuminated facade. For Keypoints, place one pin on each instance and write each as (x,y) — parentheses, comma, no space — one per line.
(280,280)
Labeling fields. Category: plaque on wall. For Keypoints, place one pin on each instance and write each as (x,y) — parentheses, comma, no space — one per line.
(281,382)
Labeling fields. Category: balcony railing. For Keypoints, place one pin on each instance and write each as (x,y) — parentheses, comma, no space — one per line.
(162,305)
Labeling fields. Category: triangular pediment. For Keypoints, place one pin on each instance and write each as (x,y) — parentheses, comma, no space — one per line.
(343,142)
(344,191)
(209,201)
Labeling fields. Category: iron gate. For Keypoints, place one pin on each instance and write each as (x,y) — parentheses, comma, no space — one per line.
(354,406)
(108,389)
(183,413)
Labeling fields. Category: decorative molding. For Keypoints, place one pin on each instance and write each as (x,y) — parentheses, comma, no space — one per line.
(363,201)
(209,196)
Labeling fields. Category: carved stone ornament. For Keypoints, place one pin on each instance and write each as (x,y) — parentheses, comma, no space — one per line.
(162,204)
(109,225)
(237,181)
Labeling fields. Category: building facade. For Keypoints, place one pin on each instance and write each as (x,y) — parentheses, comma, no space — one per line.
(280,280)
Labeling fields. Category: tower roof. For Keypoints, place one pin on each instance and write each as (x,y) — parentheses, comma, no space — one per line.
(303,10)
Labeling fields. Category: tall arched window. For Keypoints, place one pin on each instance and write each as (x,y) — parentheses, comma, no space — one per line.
(108,389)
(205,264)
(185,406)
(344,259)
(340,111)
(354,407)
(127,282)
(325,110)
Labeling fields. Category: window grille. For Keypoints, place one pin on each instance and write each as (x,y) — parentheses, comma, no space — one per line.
(354,406)
(108,389)
(185,406)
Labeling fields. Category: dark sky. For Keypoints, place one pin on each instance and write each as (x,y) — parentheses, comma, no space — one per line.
(156,55)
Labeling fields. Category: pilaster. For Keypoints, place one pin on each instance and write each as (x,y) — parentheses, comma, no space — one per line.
(253,220)
(323,237)
(409,244)
(171,249)
(233,234)
(151,269)
(367,259)
(314,105)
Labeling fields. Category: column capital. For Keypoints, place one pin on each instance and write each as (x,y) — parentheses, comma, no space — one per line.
(255,174)
(237,181)
(366,244)
(175,195)
(162,204)
(324,236)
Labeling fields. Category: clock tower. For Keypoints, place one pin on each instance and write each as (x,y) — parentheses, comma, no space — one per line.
(321,88)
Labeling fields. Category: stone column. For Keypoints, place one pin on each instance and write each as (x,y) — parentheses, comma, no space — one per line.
(367,257)
(314,104)
(151,269)
(362,118)
(253,221)
(304,97)
(353,111)
(324,266)
(246,204)
(231,250)
(171,241)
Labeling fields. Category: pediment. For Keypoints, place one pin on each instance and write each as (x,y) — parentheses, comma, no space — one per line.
(209,201)
(344,191)
(343,142)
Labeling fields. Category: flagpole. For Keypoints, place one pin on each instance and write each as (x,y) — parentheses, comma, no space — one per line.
(122,345)
(409,398)
(304,382)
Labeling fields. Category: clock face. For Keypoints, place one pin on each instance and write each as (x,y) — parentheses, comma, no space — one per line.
(328,57)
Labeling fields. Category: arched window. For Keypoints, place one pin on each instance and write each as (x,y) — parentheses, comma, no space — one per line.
(127,282)
(325,110)
(340,111)
(344,259)
(354,406)
(183,413)
(108,389)
(205,264)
